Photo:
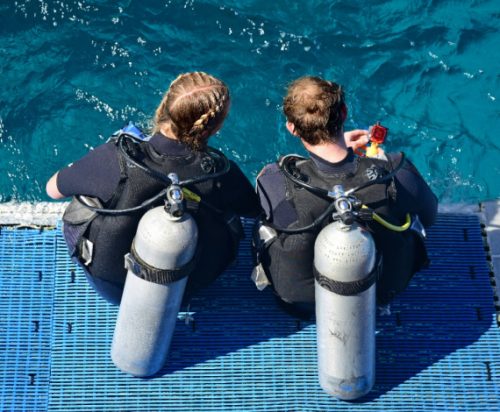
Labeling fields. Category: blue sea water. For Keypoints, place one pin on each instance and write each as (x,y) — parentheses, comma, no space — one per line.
(73,71)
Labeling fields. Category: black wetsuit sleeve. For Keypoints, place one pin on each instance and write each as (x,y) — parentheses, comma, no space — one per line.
(271,189)
(414,195)
(96,174)
(239,194)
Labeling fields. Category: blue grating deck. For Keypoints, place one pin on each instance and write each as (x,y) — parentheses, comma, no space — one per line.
(26,295)
(438,350)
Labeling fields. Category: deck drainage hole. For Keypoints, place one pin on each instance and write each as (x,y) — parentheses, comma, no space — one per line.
(70,327)
(398,319)
(478,314)
(488,370)
(32,378)
(72,274)
(36,323)
(298,324)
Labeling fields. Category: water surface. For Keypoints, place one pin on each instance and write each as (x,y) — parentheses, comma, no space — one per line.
(73,71)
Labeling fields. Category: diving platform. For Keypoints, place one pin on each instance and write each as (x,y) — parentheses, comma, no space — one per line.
(234,349)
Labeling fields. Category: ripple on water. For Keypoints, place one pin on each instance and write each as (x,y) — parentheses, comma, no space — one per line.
(73,71)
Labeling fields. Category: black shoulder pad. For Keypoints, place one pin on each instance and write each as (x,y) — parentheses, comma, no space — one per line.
(394,159)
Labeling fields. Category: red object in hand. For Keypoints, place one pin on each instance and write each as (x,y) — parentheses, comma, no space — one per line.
(378,133)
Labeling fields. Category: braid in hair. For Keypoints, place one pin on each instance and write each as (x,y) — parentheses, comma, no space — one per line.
(208,121)
(195,105)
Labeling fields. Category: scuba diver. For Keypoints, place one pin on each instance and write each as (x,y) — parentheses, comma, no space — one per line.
(114,185)
(296,196)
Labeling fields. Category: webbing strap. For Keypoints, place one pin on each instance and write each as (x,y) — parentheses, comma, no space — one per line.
(160,276)
(350,288)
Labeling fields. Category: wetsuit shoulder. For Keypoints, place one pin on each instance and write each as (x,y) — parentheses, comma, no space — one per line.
(271,189)
(95,174)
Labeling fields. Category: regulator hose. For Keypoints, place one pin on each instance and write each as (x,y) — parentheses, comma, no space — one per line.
(164,177)
(159,176)
(285,166)
(318,221)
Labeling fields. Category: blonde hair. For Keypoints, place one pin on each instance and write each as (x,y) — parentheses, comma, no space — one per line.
(195,105)
(316,108)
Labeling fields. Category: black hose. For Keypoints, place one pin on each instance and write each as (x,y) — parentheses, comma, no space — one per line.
(116,212)
(318,221)
(164,178)
(284,165)
(159,176)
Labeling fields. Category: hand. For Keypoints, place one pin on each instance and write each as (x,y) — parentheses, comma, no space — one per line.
(356,139)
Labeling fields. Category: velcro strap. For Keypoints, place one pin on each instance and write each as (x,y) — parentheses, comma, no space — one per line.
(350,288)
(160,276)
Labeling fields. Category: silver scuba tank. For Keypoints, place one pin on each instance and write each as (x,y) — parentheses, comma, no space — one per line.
(345,274)
(158,265)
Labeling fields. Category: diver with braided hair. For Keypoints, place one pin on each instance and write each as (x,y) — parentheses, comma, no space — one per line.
(191,111)
(315,111)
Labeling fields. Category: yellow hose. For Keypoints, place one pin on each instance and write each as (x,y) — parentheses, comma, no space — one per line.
(190,195)
(390,226)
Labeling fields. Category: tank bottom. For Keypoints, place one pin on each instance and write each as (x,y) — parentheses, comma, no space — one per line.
(347,389)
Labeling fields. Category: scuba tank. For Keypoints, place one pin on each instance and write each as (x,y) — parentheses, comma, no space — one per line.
(162,255)
(345,269)
(345,265)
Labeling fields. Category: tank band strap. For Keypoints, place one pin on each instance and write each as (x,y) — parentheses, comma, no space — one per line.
(350,288)
(160,276)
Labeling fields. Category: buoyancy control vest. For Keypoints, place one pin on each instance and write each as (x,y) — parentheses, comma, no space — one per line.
(99,241)
(288,259)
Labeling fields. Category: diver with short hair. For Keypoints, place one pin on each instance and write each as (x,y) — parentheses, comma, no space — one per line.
(115,184)
(315,112)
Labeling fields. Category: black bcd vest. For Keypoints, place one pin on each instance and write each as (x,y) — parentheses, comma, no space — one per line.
(112,235)
(288,260)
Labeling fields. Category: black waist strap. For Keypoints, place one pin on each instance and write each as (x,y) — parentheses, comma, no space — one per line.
(160,276)
(350,288)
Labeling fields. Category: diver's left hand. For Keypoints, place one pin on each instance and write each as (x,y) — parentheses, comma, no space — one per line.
(356,138)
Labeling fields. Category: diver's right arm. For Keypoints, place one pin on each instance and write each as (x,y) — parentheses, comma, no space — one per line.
(96,174)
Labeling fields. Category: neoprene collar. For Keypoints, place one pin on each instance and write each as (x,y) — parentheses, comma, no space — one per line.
(167,146)
(346,165)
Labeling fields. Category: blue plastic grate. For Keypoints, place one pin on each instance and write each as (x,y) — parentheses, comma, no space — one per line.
(439,349)
(26,288)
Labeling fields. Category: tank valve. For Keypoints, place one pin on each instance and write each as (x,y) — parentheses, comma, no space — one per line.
(346,206)
(174,204)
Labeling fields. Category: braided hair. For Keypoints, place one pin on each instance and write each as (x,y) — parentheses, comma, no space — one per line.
(195,104)
(316,108)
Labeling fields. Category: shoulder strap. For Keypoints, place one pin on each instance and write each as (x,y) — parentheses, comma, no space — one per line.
(123,177)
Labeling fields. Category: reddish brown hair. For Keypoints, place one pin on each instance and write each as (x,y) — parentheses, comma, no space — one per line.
(195,104)
(316,108)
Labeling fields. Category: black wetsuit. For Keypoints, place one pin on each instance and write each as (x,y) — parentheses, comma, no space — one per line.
(100,174)
(288,260)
